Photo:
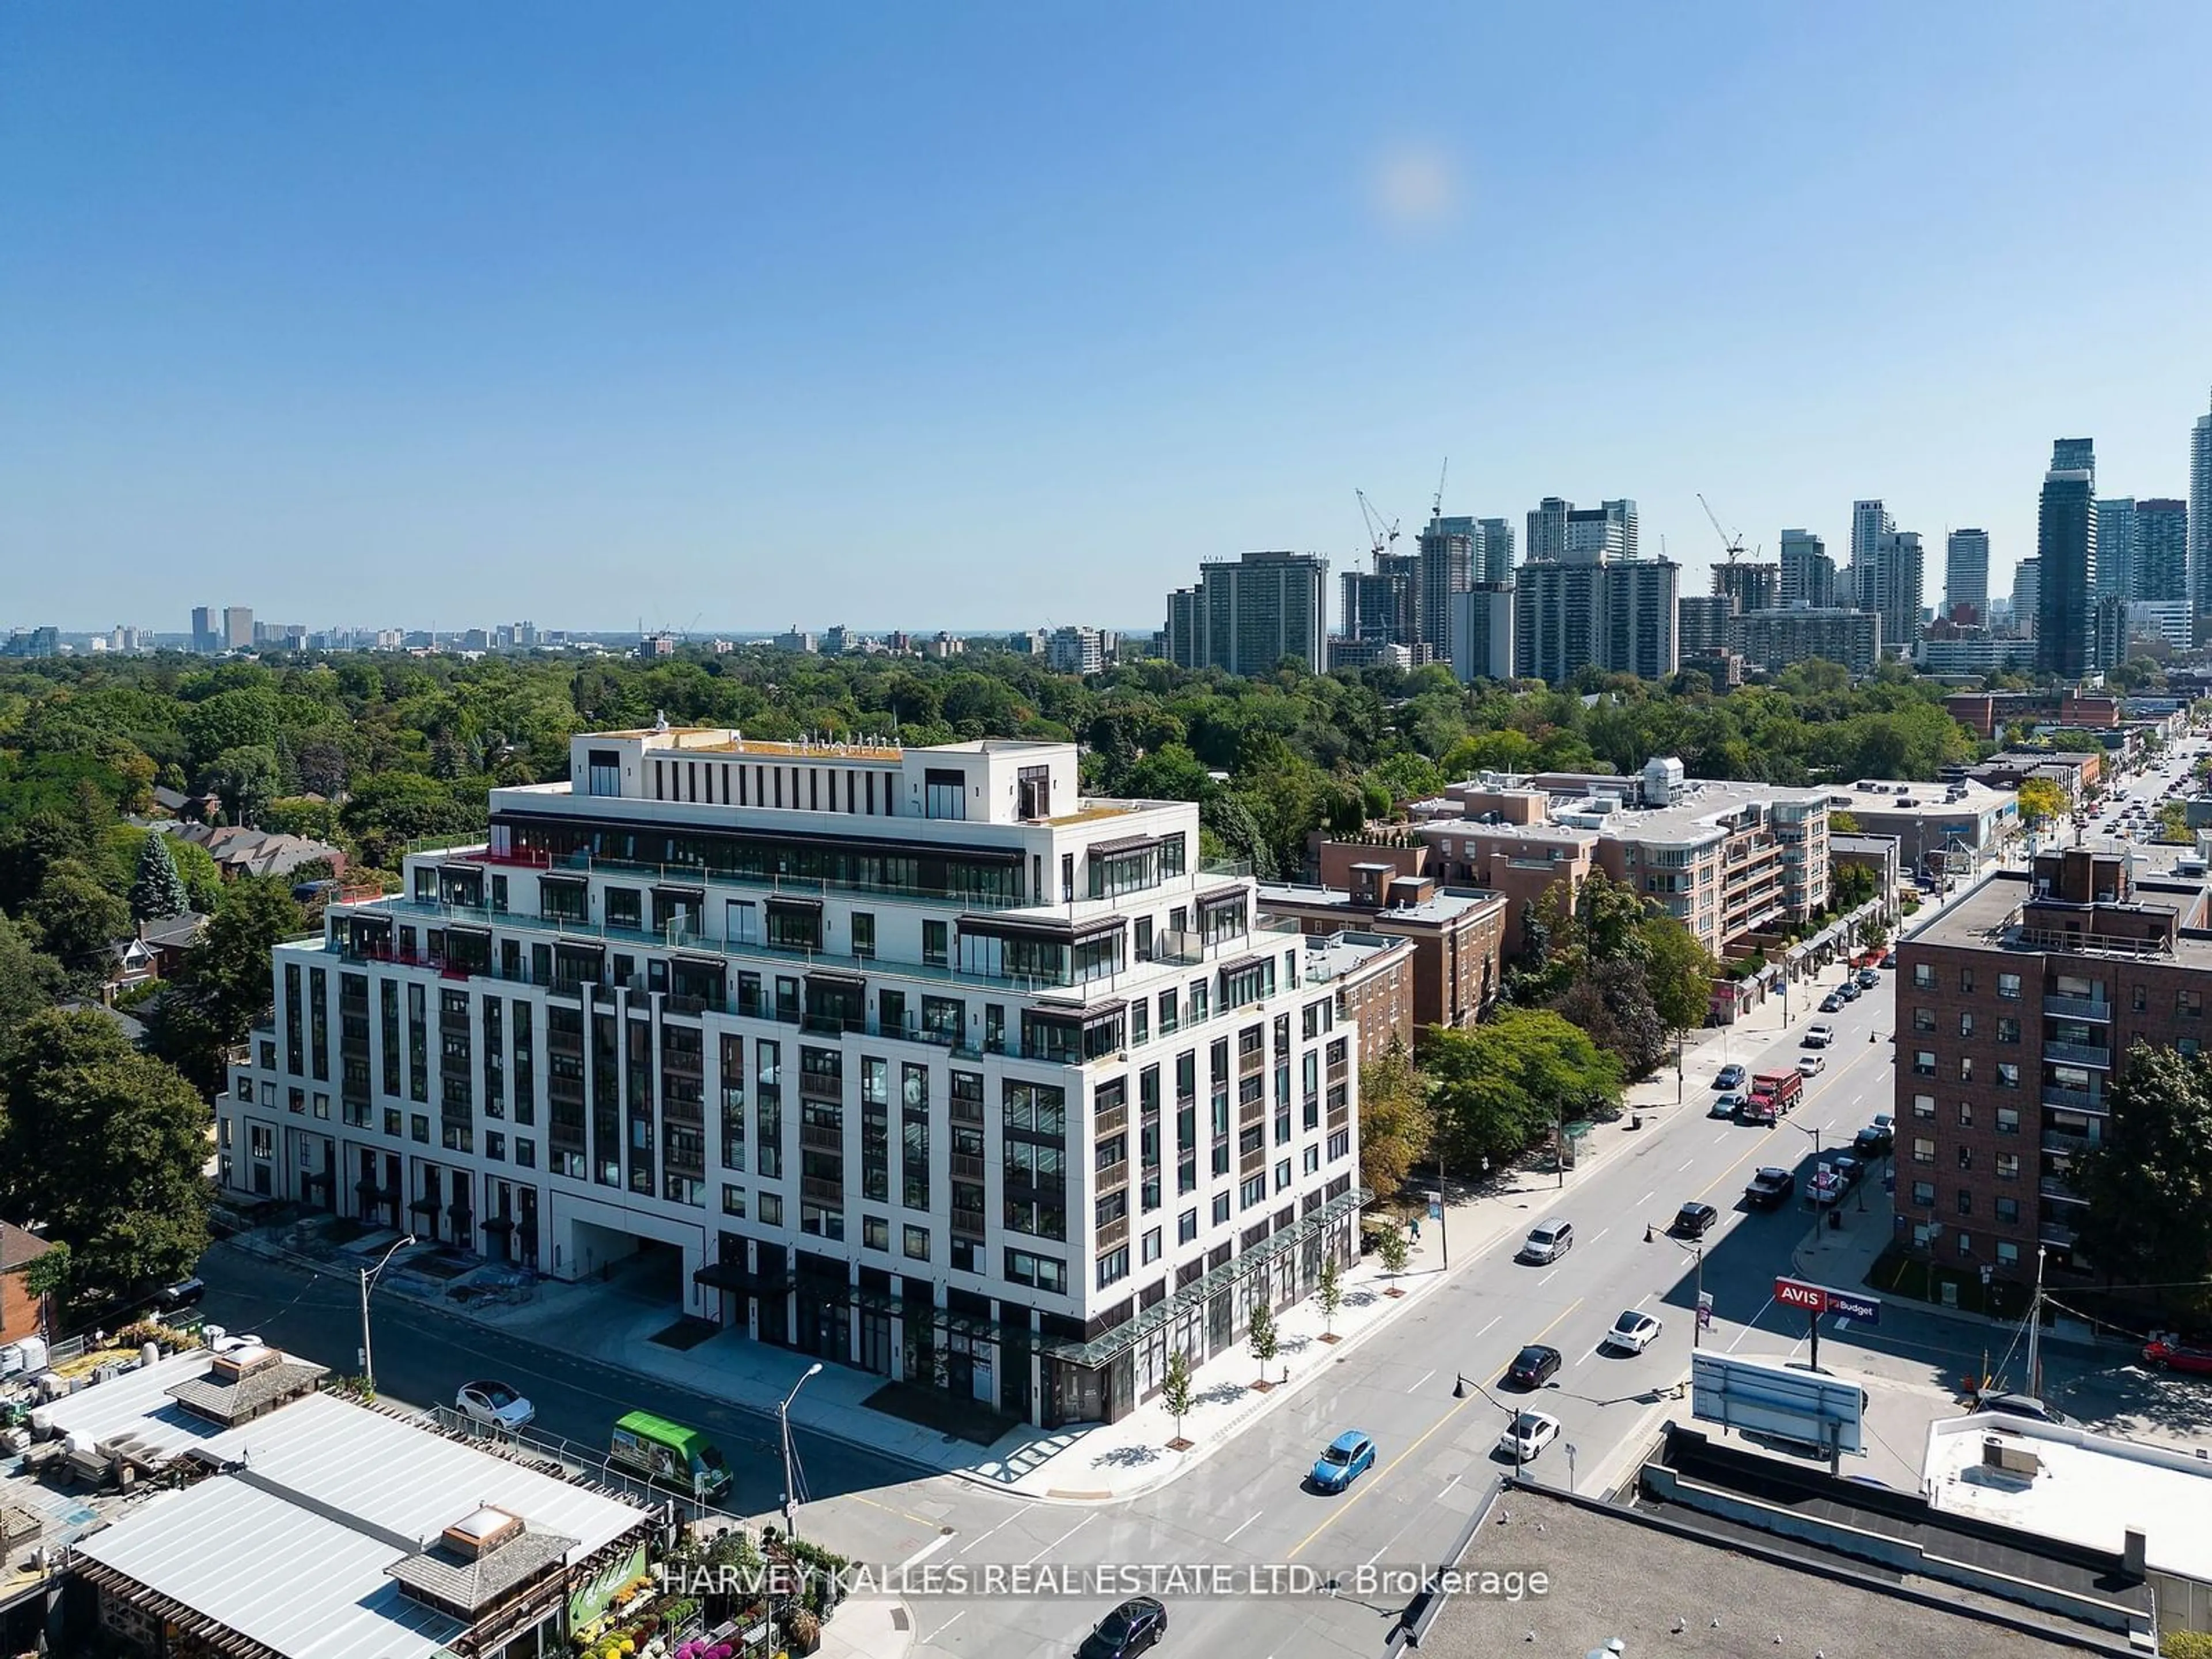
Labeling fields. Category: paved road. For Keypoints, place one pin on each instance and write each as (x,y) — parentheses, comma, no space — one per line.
(1246,1504)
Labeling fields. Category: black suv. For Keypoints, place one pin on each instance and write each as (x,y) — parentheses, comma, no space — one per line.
(1770,1189)
(1692,1220)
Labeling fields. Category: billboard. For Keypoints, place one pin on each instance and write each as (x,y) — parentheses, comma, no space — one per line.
(1764,1396)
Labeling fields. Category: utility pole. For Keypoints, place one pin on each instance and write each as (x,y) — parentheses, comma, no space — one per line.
(2035,1331)
(368,1276)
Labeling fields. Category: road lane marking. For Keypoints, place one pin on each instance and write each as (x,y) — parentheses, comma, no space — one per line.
(1062,1539)
(1416,1388)
(950,1623)
(1446,1493)
(1602,1232)
(1494,1318)
(1751,1324)
(1546,1278)
(1684,1164)
(925,1551)
(1646,1199)
(980,1536)
(1338,1513)
(1240,1525)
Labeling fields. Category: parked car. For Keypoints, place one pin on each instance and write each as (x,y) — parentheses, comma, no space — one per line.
(2169,1353)
(496,1403)
(1728,1102)
(1692,1220)
(1729,1076)
(1819,1035)
(1343,1461)
(1770,1188)
(185,1293)
(1632,1332)
(1849,1171)
(1548,1241)
(1811,1065)
(1868,980)
(1832,1004)
(1134,1627)
(1849,991)
(1529,1434)
(1534,1366)
(1876,1140)
(2022,1405)
(1826,1188)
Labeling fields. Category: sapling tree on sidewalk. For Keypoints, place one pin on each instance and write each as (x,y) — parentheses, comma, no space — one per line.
(1391,1244)
(1175,1395)
(1329,1295)
(1264,1341)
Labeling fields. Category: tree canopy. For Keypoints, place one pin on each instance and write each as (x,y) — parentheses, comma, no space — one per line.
(2148,1182)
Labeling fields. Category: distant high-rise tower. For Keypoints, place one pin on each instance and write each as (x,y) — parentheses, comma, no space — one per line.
(204,638)
(1494,555)
(1548,530)
(1870,521)
(1246,614)
(2026,595)
(2115,548)
(2200,513)
(1619,614)
(1887,580)
(1753,586)
(1623,512)
(238,628)
(1966,572)
(2066,546)
(2161,551)
(1447,557)
(1808,574)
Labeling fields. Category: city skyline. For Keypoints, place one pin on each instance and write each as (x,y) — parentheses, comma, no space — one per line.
(679,340)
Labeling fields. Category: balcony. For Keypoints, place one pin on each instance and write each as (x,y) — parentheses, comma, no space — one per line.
(2060,1007)
(1113,1176)
(2073,1100)
(816,1190)
(966,1166)
(2056,1236)
(2078,1054)
(1113,1235)
(1113,1120)
(2057,1140)
(2052,1188)
(822,1137)
(968,1224)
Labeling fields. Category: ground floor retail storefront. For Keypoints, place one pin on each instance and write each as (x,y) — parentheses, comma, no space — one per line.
(998,1358)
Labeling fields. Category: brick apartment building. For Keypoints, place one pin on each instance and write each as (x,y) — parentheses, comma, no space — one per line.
(21,1314)
(1458,935)
(2014,1008)
(1373,977)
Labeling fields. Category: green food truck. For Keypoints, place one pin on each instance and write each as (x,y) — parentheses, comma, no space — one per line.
(669,1454)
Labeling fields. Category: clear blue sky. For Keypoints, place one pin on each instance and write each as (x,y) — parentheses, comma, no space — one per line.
(945,315)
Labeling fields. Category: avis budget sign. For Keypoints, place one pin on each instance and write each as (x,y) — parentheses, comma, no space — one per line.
(1817,1299)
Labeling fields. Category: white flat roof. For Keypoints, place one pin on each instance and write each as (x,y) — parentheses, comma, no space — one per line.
(138,1404)
(2090,1490)
(303,1586)
(404,1479)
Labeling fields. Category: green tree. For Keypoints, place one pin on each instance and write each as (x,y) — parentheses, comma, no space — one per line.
(29,980)
(1612,1002)
(245,779)
(2148,1183)
(78,919)
(2173,822)
(1175,1389)
(1850,885)
(1262,1340)
(224,985)
(197,868)
(104,1147)
(157,891)
(1679,972)
(1501,1086)
(1396,1121)
(1329,1294)
(1391,1245)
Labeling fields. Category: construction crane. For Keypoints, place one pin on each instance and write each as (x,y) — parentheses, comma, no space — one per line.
(1379,534)
(1732,545)
(1436,508)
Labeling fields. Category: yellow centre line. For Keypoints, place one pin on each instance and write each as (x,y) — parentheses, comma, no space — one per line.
(1760,1145)
(1338,1513)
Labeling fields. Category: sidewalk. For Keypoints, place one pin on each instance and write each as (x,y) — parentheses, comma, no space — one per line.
(868,1628)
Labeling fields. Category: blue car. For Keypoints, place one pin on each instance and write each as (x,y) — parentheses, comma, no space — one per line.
(1351,1455)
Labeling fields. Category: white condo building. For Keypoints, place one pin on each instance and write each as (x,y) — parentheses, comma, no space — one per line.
(911,1059)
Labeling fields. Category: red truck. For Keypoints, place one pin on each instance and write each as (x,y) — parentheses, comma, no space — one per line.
(1772,1095)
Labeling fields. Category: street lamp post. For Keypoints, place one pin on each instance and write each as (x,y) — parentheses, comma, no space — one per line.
(368,1276)
(1459,1388)
(783,1422)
